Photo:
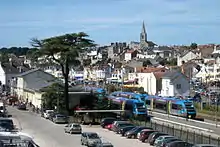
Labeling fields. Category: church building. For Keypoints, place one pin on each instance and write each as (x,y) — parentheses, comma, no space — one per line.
(144,43)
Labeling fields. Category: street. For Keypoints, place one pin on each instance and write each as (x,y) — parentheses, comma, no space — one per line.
(48,134)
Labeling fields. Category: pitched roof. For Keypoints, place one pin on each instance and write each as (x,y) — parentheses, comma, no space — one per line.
(173,74)
(159,75)
(29,71)
(38,82)
(150,69)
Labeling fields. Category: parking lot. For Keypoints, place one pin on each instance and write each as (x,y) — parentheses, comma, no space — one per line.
(48,134)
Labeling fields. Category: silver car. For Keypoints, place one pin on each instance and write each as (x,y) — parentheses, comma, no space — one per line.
(73,128)
(59,118)
(90,139)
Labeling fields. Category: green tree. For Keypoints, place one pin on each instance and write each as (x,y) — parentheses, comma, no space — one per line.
(64,50)
(147,63)
(54,97)
(193,46)
(4,57)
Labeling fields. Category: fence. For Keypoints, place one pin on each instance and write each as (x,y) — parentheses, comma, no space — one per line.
(186,135)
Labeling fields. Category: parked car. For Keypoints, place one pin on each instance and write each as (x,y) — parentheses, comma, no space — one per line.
(21,106)
(145,134)
(205,145)
(73,128)
(160,139)
(109,127)
(120,126)
(154,136)
(115,124)
(167,141)
(179,144)
(90,139)
(47,113)
(6,124)
(133,133)
(125,129)
(59,118)
(107,121)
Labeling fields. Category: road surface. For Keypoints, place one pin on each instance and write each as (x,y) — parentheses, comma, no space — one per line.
(48,134)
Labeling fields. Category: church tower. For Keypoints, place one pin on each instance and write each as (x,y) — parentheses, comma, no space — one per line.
(143,37)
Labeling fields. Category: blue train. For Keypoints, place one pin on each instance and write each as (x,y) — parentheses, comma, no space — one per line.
(171,105)
(121,101)
(129,95)
(99,92)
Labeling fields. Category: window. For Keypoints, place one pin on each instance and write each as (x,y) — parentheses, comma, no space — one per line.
(178,86)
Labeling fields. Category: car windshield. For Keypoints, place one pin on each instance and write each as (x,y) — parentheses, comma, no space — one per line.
(93,136)
(76,125)
(60,116)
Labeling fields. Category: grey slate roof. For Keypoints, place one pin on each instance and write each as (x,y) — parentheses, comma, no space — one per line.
(28,72)
(173,74)
(12,68)
(38,82)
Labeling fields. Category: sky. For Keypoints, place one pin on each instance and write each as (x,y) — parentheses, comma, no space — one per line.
(168,22)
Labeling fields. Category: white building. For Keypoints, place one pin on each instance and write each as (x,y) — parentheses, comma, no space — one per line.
(175,84)
(187,56)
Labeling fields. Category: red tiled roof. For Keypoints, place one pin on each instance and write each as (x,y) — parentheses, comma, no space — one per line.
(159,75)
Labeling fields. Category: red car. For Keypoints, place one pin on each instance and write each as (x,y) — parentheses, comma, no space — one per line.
(109,127)
(145,134)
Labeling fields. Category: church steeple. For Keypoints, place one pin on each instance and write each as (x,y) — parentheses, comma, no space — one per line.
(143,35)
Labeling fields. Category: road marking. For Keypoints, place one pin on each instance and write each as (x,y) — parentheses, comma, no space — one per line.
(191,120)
(181,124)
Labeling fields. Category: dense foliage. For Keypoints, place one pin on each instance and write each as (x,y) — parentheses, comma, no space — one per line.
(53,97)
(18,51)
(63,50)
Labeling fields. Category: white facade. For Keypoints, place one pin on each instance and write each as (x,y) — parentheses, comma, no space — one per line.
(128,56)
(6,77)
(94,74)
(187,57)
(178,86)
(146,80)
(145,56)
(96,54)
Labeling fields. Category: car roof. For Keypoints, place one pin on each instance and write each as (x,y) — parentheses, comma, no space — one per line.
(145,130)
(167,136)
(206,145)
(89,132)
(5,118)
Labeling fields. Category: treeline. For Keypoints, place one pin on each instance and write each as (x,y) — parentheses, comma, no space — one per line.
(18,51)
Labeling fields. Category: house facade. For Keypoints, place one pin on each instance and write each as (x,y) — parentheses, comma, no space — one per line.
(28,85)
(187,56)
(175,84)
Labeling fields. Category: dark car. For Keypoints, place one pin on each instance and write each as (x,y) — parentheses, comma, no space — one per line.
(6,124)
(115,125)
(120,126)
(125,129)
(167,141)
(153,136)
(179,144)
(145,134)
(21,106)
(134,132)
(107,121)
